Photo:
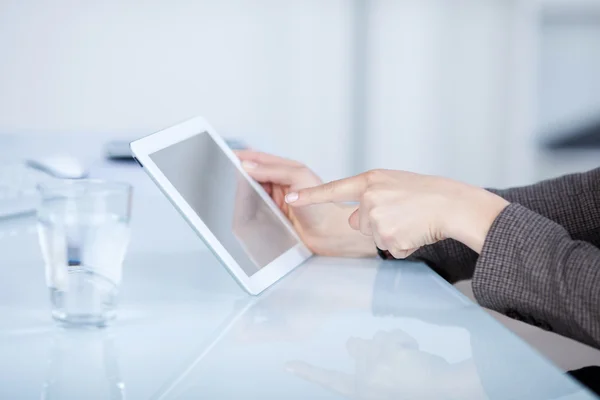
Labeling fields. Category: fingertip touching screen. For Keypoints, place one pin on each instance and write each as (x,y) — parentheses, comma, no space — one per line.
(225,201)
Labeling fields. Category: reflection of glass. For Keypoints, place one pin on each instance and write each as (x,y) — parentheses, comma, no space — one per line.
(83,365)
(84,232)
(256,227)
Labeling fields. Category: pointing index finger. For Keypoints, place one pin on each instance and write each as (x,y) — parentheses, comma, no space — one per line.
(349,189)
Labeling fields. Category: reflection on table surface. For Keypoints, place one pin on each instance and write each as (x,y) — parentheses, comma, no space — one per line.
(350,329)
(93,352)
(331,329)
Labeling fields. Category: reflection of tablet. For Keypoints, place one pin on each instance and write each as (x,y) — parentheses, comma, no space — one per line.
(239,222)
(256,311)
(172,388)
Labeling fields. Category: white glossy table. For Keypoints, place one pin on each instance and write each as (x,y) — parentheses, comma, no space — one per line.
(334,328)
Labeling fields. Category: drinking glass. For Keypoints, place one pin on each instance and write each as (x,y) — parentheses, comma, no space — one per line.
(84,232)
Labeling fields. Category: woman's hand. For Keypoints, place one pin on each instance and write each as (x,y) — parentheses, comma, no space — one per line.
(403,211)
(323,227)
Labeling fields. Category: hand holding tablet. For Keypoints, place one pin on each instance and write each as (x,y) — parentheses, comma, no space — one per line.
(238,221)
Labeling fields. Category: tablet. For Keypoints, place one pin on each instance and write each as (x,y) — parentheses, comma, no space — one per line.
(235,217)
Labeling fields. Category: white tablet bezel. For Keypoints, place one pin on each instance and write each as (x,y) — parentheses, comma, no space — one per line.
(266,276)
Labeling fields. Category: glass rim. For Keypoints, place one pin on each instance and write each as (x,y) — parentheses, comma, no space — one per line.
(98,186)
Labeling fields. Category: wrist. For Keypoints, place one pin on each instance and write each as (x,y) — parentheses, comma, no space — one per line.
(474,212)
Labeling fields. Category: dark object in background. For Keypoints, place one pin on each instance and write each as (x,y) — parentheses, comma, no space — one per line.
(118,150)
(587,137)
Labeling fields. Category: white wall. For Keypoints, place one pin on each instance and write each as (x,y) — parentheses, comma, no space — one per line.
(449,86)
(275,73)
(452,88)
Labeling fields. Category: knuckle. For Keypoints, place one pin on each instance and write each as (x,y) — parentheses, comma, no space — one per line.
(365,230)
(300,172)
(262,158)
(403,245)
(369,197)
(395,253)
(302,169)
(330,187)
(317,192)
(374,215)
(374,175)
(399,254)
(387,236)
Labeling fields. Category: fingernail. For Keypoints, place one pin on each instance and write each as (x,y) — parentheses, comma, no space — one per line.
(249,164)
(291,197)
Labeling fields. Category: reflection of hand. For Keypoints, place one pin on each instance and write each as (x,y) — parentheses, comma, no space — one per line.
(390,366)
(297,307)
(246,205)
(323,228)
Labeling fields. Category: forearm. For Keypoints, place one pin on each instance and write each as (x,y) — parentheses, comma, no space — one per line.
(573,201)
(532,270)
(467,224)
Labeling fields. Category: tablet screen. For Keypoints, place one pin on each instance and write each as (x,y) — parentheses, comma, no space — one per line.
(227,204)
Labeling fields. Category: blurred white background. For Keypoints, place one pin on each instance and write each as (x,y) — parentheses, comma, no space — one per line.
(471,89)
(467,89)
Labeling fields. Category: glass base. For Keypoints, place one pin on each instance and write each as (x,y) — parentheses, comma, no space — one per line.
(87,299)
(83,320)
